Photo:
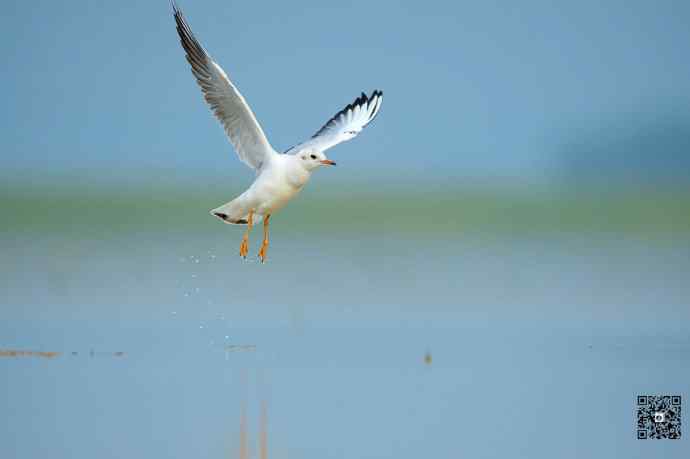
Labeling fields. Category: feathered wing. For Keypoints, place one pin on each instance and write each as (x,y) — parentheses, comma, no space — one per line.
(225,100)
(345,124)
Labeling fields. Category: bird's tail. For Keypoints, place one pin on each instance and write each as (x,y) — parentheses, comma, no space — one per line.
(234,213)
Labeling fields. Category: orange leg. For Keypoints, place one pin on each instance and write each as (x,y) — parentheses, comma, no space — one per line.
(244,246)
(264,244)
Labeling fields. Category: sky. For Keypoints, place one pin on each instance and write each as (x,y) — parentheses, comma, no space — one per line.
(472,89)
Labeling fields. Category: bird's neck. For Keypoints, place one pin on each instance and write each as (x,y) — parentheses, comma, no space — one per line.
(297,175)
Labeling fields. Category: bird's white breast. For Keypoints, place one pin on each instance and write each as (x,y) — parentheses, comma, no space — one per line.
(279,183)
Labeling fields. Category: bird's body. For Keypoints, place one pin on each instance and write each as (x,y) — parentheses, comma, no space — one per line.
(279,181)
(279,177)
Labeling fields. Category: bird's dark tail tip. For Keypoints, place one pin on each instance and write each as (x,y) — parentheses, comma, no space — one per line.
(227,219)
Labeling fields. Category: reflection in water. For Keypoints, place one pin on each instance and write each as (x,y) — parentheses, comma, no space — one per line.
(244,453)
(263,434)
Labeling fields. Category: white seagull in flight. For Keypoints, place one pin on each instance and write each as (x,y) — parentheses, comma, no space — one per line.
(279,177)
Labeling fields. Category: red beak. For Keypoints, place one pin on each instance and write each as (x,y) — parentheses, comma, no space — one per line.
(328,162)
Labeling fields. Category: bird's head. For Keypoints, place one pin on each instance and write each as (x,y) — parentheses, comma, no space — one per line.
(311,160)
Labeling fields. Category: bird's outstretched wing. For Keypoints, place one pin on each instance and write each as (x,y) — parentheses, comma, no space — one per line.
(345,124)
(225,100)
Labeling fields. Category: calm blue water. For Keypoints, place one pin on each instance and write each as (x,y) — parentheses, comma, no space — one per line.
(538,349)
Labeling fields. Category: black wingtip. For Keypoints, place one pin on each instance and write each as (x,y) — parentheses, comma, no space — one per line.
(375,100)
(361,100)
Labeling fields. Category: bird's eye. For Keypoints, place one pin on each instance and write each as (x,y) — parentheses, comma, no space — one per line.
(313,156)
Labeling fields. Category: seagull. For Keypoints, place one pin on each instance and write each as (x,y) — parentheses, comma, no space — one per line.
(279,177)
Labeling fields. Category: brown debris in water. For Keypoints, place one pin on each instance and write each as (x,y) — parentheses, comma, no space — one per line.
(51,355)
(20,353)
(240,347)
